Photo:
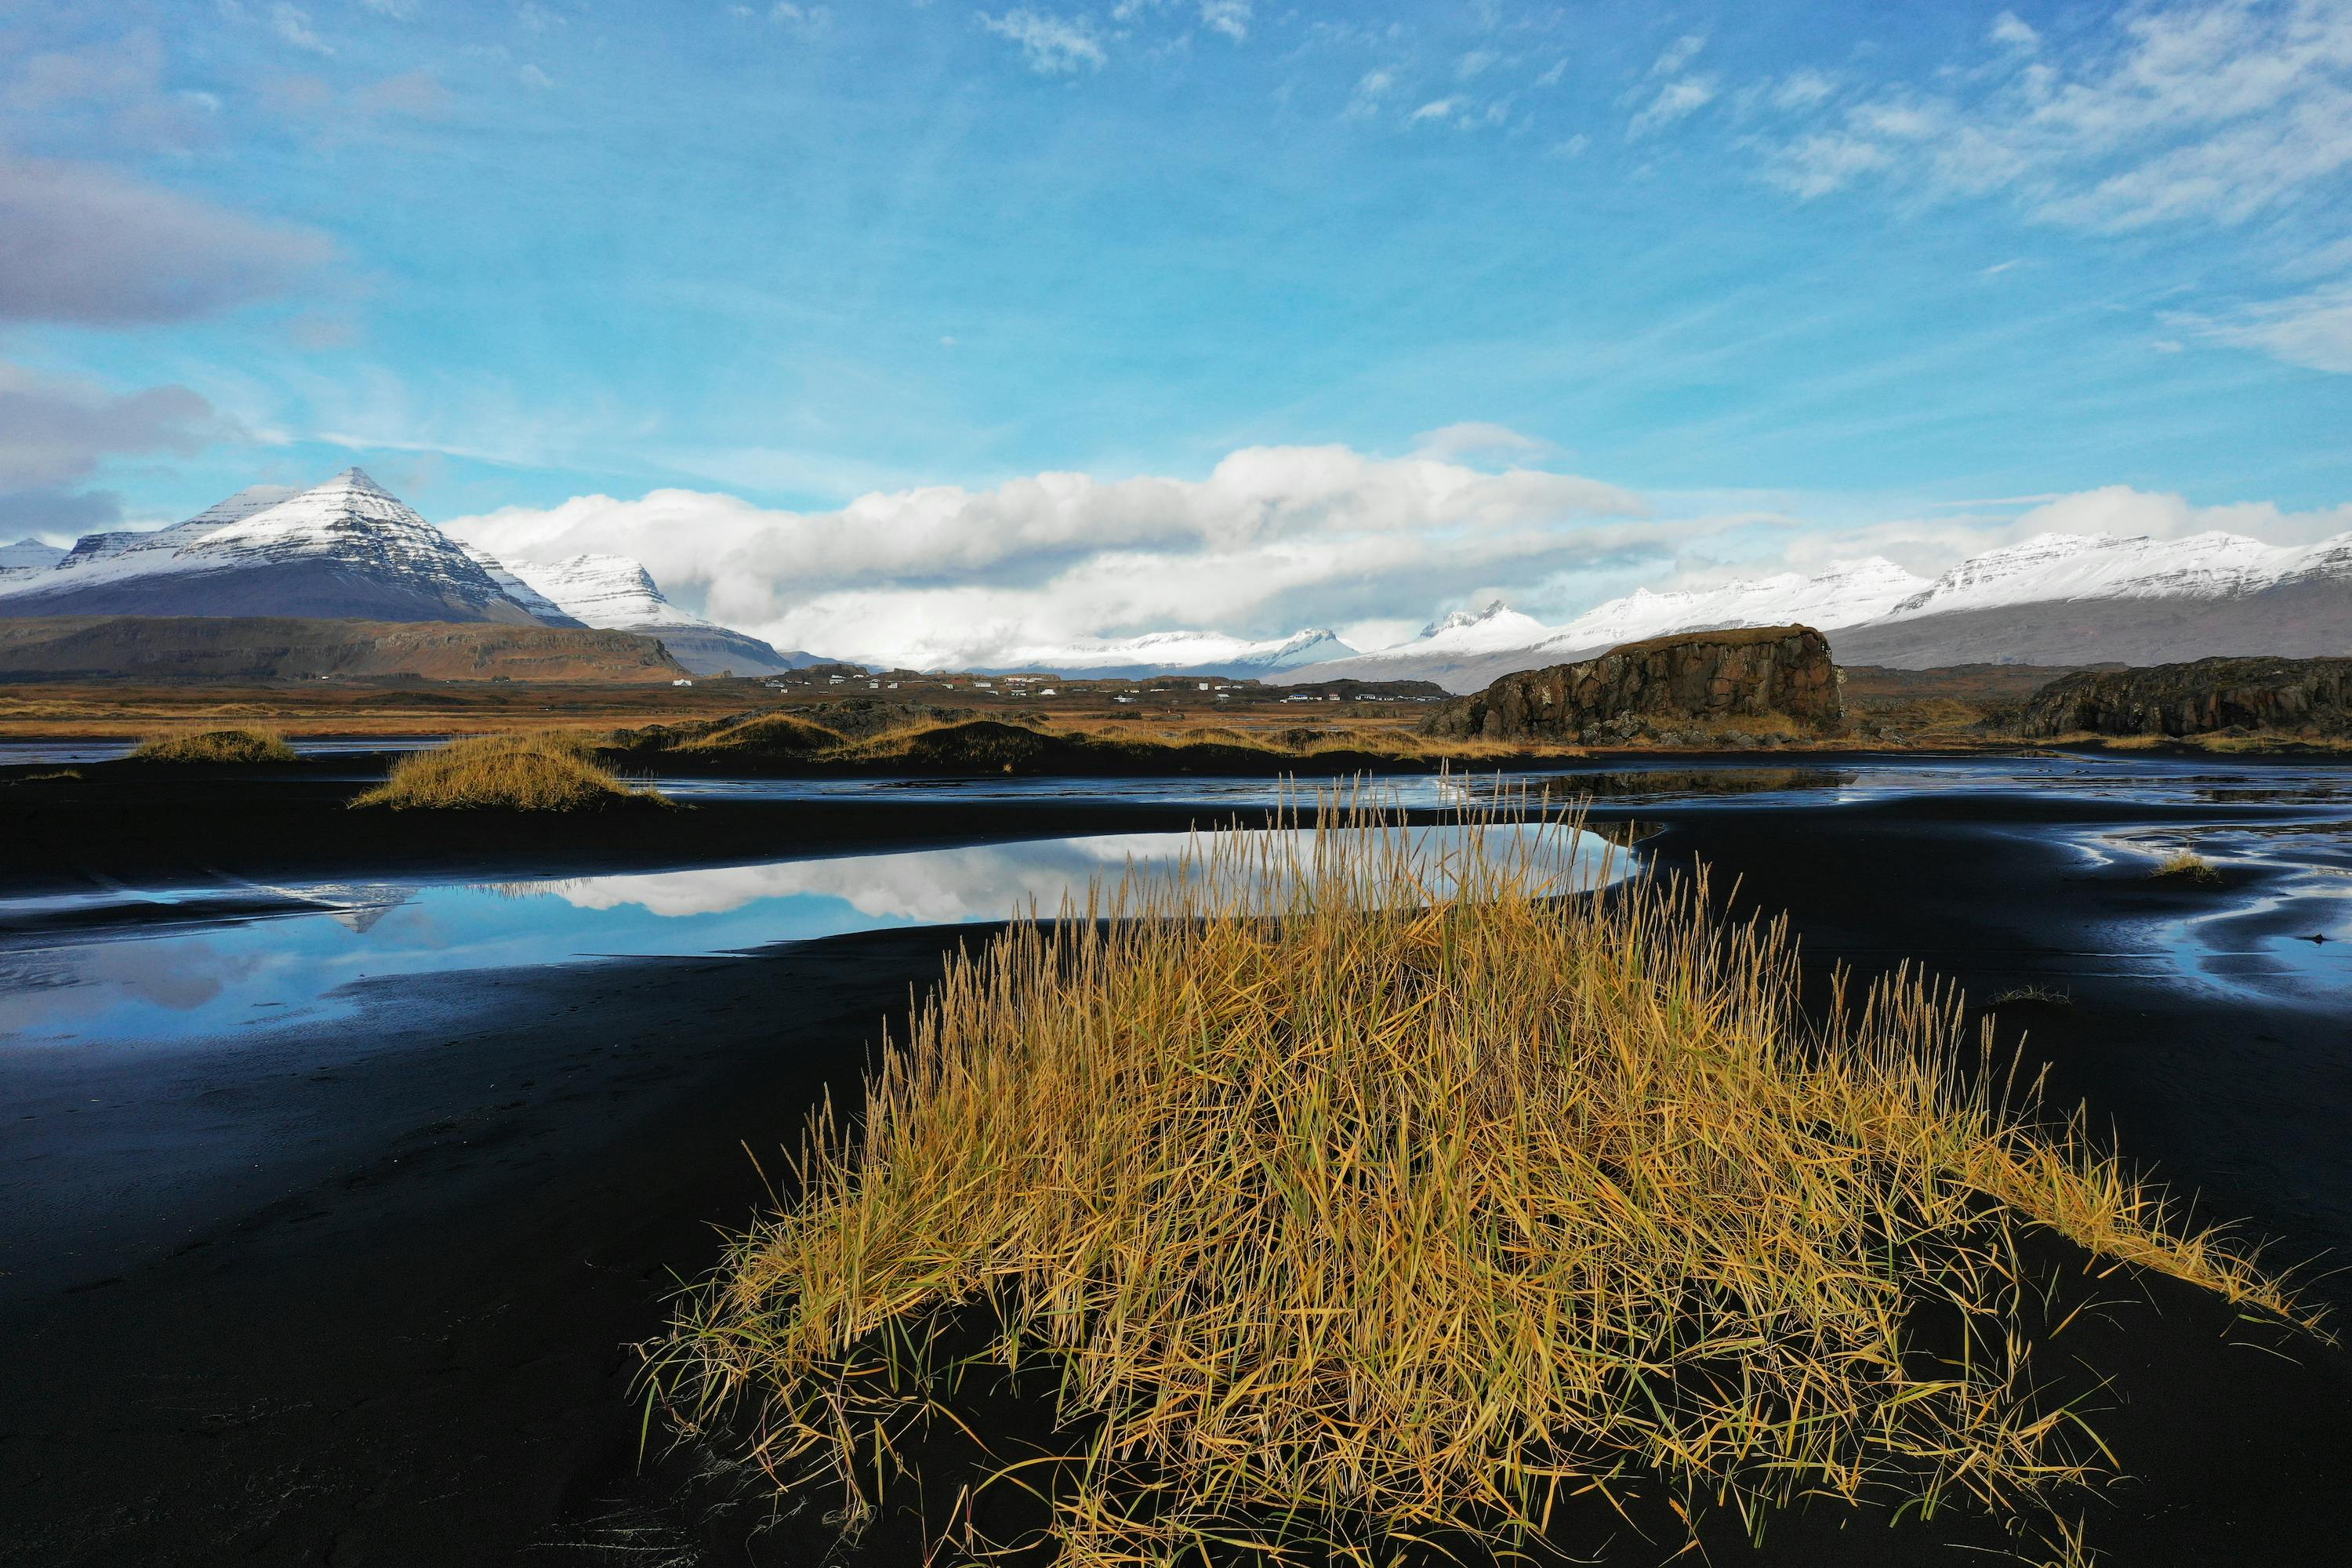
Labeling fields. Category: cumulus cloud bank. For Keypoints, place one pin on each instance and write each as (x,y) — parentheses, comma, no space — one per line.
(1273,538)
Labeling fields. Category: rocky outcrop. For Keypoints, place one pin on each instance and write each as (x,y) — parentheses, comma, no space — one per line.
(2283,694)
(1696,678)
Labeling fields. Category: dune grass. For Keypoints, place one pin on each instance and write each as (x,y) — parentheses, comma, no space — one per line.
(1412,1211)
(781,735)
(196,746)
(547,771)
(2188,866)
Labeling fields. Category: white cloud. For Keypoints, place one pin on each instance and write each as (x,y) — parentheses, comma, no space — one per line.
(292,25)
(1679,53)
(1231,17)
(1052,45)
(396,10)
(534,79)
(801,18)
(1477,438)
(2313,330)
(2012,30)
(1476,63)
(1438,108)
(1573,148)
(2220,112)
(1273,539)
(1802,89)
(1370,88)
(1676,100)
(1931,545)
(1552,77)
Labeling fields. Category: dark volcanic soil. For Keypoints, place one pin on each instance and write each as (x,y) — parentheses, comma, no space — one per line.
(393,1329)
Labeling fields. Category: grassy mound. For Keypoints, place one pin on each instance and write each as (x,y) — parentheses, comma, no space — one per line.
(770,737)
(1404,1216)
(213,746)
(545,771)
(2188,866)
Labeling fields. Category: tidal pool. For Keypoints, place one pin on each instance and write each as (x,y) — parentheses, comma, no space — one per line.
(172,964)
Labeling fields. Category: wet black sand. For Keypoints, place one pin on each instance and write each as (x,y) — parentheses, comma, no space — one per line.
(392,1328)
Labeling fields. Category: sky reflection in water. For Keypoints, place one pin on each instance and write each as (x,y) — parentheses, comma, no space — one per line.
(151,967)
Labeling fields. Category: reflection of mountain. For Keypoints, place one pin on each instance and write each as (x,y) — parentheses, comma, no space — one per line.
(354,906)
(995,882)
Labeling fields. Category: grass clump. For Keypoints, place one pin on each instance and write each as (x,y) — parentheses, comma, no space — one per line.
(550,770)
(771,736)
(213,746)
(1343,1205)
(2188,866)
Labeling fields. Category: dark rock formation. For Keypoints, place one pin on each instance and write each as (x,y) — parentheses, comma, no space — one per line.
(1756,672)
(2194,698)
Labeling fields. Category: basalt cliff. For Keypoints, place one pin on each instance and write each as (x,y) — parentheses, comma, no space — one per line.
(1657,686)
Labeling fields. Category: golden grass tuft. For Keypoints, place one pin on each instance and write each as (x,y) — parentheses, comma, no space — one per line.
(213,746)
(770,735)
(2188,866)
(548,771)
(1415,1208)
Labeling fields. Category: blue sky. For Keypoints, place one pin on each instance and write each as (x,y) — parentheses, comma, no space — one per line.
(1790,281)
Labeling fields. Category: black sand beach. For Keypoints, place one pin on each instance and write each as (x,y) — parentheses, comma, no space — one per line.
(363,1292)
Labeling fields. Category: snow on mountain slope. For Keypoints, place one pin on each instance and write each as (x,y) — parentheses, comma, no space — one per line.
(1847,594)
(1463,652)
(29,555)
(2032,602)
(1183,653)
(613,592)
(343,550)
(542,608)
(1496,626)
(2053,566)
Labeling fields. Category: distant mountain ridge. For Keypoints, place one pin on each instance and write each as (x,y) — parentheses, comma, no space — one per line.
(349,549)
(616,593)
(344,549)
(2069,599)
(1185,653)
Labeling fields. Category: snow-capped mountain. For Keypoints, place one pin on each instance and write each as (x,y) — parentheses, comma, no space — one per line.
(29,555)
(343,550)
(1183,653)
(542,607)
(2052,599)
(1496,626)
(613,592)
(1847,594)
(2097,598)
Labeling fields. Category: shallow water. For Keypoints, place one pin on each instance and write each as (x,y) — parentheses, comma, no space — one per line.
(113,748)
(2287,936)
(165,964)
(1736,785)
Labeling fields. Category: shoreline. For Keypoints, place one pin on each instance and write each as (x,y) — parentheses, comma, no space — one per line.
(369,1283)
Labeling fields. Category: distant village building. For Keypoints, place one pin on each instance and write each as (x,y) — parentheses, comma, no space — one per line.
(681,683)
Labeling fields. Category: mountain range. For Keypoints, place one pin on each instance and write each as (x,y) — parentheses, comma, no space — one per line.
(350,550)
(1186,653)
(2054,599)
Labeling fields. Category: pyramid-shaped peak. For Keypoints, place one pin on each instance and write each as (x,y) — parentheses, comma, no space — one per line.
(356,479)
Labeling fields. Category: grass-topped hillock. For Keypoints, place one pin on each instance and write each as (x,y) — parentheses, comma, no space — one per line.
(1026,745)
(1410,1215)
(550,771)
(768,737)
(213,746)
